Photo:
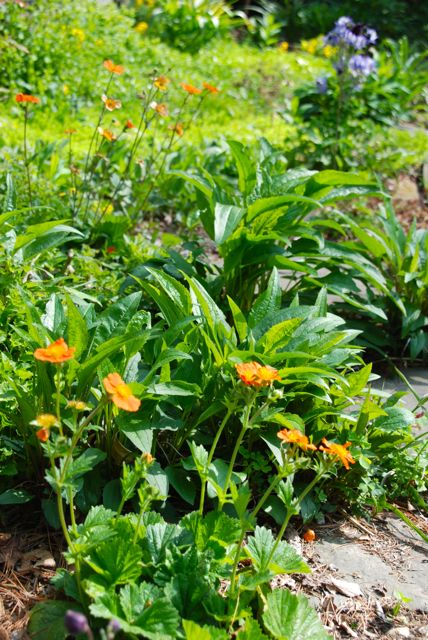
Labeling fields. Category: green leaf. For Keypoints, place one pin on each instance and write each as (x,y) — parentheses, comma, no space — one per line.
(278,336)
(284,559)
(139,610)
(226,220)
(291,617)
(85,463)
(78,334)
(116,563)
(194,631)
(238,319)
(246,168)
(251,631)
(397,418)
(268,302)
(47,619)
(139,433)
(157,540)
(15,496)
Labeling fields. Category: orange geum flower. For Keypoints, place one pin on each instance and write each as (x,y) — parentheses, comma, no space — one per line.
(70,132)
(43,434)
(57,352)
(160,108)
(177,128)
(105,133)
(256,375)
(120,393)
(210,87)
(294,436)
(129,124)
(161,83)
(339,451)
(25,97)
(110,103)
(194,91)
(113,68)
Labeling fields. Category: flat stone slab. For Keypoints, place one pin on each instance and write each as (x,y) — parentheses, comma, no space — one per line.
(418,379)
(387,560)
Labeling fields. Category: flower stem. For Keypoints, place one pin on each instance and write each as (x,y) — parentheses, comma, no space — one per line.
(210,457)
(26,161)
(245,425)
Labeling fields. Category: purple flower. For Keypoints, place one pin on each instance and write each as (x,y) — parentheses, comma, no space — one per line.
(357,41)
(344,21)
(371,35)
(75,622)
(321,85)
(113,627)
(360,65)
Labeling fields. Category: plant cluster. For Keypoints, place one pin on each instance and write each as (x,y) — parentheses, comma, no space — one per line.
(172,396)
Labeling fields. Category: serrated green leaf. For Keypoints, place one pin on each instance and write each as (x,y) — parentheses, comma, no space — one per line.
(291,617)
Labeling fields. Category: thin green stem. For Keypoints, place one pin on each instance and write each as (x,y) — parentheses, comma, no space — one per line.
(245,425)
(235,563)
(26,161)
(210,457)
(301,497)
(266,495)
(58,399)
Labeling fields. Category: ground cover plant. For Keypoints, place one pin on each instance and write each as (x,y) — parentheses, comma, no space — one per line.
(177,383)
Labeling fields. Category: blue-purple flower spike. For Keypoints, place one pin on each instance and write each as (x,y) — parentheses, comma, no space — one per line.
(76,622)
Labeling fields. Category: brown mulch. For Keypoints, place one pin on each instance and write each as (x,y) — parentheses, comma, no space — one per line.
(28,561)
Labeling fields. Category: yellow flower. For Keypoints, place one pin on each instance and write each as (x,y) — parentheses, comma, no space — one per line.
(310,46)
(141,27)
(79,34)
(65,89)
(161,83)
(283,46)
(78,405)
(45,420)
(329,51)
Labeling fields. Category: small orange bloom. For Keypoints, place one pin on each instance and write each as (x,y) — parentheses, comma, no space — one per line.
(160,108)
(210,87)
(294,436)
(161,83)
(178,128)
(111,249)
(129,124)
(110,103)
(25,97)
(120,394)
(194,91)
(338,450)
(147,458)
(113,68)
(42,434)
(105,133)
(70,132)
(256,375)
(309,535)
(56,352)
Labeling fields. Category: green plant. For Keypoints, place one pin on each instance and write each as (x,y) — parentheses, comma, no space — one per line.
(255,225)
(187,25)
(380,275)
